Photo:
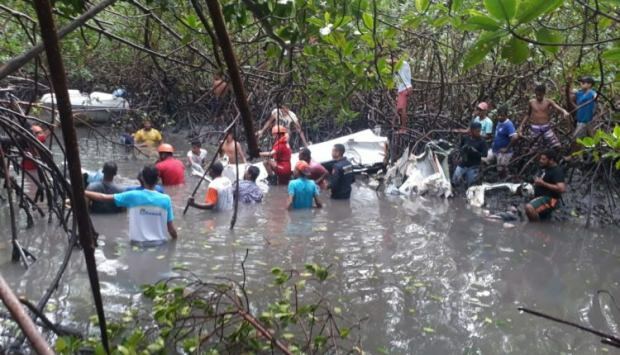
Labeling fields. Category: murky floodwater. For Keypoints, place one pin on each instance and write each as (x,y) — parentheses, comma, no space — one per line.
(432,277)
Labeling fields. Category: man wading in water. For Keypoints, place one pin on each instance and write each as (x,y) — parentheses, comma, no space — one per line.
(228,149)
(150,212)
(539,118)
(342,174)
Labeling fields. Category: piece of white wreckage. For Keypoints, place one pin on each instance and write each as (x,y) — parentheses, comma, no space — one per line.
(425,174)
(476,194)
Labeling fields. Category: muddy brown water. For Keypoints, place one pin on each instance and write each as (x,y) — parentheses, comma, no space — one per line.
(431,276)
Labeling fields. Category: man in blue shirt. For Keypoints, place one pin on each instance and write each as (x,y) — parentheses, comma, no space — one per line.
(486,123)
(505,136)
(342,176)
(150,212)
(302,190)
(585,101)
(105,186)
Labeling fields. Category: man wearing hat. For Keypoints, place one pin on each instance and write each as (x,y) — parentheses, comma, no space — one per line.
(473,148)
(485,122)
(302,190)
(585,101)
(171,170)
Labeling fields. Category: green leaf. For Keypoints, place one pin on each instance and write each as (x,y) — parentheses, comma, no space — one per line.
(587,142)
(61,345)
(612,55)
(479,50)
(501,9)
(616,132)
(422,5)
(483,22)
(532,9)
(547,36)
(368,21)
(456,5)
(516,51)
(428,330)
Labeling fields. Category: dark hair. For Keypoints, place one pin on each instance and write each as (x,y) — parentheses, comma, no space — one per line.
(196,143)
(305,153)
(550,154)
(340,148)
(109,169)
(254,172)
(217,168)
(475,125)
(502,110)
(541,88)
(150,175)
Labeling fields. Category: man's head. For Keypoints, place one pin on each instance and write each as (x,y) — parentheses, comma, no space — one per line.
(338,151)
(36,129)
(109,171)
(548,158)
(147,125)
(229,136)
(474,129)
(149,176)
(216,169)
(586,82)
(305,155)
(540,90)
(278,131)
(251,174)
(165,150)
(196,145)
(302,169)
(482,108)
(502,113)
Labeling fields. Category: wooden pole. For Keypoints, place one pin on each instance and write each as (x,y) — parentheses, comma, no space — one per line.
(78,202)
(26,324)
(235,75)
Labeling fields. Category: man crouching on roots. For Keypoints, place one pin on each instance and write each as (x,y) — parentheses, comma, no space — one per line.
(548,188)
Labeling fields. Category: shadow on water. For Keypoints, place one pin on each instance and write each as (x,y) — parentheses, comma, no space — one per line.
(431,276)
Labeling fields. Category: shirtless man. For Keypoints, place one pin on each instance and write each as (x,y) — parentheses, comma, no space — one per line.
(228,149)
(539,118)
(219,89)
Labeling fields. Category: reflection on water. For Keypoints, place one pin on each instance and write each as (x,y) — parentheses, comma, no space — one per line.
(431,276)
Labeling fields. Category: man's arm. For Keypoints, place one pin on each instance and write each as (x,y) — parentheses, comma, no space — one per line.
(301,133)
(267,124)
(171,230)
(317,202)
(97,196)
(558,108)
(289,202)
(210,203)
(526,118)
(267,154)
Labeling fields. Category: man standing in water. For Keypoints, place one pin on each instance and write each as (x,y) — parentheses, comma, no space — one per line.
(228,150)
(318,173)
(171,169)
(286,118)
(302,190)
(342,174)
(219,193)
(249,192)
(106,186)
(147,136)
(150,212)
(548,188)
(539,118)
(281,152)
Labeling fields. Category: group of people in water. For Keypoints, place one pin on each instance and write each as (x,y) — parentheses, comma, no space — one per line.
(150,210)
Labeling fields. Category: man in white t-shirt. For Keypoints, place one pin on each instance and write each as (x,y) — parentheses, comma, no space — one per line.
(150,212)
(197,158)
(219,193)
(402,80)
(283,117)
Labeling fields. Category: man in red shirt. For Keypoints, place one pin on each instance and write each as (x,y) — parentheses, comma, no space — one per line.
(29,166)
(280,165)
(318,173)
(171,170)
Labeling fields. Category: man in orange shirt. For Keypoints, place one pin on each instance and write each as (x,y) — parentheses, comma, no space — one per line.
(219,193)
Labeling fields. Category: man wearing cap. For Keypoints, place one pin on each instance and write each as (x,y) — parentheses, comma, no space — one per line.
(302,190)
(106,186)
(473,148)
(585,101)
(280,165)
(486,123)
(171,170)
(539,118)
(219,193)
(147,136)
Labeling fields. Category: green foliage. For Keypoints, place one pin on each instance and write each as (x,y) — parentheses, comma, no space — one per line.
(603,145)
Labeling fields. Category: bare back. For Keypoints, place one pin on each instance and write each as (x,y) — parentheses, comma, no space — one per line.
(539,111)
(228,149)
(219,87)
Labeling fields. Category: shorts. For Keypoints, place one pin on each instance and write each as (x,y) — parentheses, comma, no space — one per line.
(548,137)
(544,205)
(401,100)
(283,173)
